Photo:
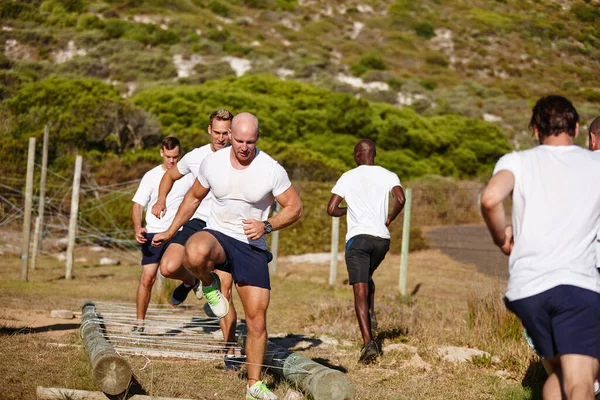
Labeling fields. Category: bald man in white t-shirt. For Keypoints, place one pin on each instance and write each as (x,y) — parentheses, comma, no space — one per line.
(244,181)
(366,189)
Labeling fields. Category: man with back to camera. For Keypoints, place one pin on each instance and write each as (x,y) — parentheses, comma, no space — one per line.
(147,194)
(553,285)
(172,263)
(366,190)
(244,182)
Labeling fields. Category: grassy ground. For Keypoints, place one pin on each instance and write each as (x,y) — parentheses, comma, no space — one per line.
(451,304)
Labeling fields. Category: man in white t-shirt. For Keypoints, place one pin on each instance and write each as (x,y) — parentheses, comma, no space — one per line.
(366,190)
(146,195)
(172,263)
(244,181)
(553,285)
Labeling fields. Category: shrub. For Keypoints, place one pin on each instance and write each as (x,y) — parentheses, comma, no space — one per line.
(19,10)
(424,29)
(590,95)
(218,8)
(436,58)
(367,62)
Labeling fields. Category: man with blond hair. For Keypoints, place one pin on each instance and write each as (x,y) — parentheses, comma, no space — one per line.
(244,181)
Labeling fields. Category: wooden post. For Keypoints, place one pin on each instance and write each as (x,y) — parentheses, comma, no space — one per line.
(43,393)
(73,217)
(27,214)
(405,242)
(39,221)
(111,372)
(335,236)
(317,380)
(274,245)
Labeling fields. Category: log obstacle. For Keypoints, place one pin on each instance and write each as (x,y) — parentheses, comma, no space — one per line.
(318,381)
(62,394)
(111,372)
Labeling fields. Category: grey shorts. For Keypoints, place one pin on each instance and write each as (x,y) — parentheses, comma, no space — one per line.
(364,253)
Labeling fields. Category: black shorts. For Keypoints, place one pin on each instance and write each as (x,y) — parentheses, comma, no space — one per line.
(151,254)
(561,320)
(364,253)
(247,264)
(189,228)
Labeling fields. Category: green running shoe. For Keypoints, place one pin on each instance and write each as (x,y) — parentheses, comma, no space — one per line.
(215,299)
(260,391)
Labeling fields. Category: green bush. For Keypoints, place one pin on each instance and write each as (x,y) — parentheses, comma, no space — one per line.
(18,10)
(590,95)
(218,8)
(424,29)
(367,62)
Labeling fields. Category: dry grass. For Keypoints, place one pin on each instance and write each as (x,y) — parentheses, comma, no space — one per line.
(452,304)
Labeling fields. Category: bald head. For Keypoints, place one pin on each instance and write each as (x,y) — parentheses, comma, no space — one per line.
(594,134)
(364,152)
(245,121)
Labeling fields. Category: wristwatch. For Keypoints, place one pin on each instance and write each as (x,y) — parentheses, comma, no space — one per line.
(268,227)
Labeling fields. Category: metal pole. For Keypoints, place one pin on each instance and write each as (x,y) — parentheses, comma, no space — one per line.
(39,221)
(335,235)
(27,213)
(405,242)
(274,245)
(73,218)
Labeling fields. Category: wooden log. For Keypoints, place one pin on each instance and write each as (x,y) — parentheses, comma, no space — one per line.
(62,394)
(111,372)
(318,381)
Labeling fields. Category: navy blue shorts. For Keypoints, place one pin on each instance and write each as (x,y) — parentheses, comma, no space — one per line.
(189,228)
(561,320)
(364,253)
(151,254)
(247,264)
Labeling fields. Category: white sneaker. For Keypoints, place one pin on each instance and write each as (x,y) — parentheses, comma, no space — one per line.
(260,391)
(596,388)
(215,299)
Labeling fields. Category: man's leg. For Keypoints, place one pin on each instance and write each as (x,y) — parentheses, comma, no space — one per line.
(374,329)
(228,322)
(255,301)
(144,291)
(202,252)
(171,265)
(361,307)
(579,372)
(552,387)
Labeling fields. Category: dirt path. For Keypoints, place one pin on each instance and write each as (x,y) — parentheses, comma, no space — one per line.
(470,244)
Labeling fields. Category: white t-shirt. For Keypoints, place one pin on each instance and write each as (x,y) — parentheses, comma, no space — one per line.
(366,190)
(555,219)
(190,164)
(147,194)
(241,194)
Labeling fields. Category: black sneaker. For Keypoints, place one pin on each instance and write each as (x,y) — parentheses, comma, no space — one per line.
(369,353)
(137,330)
(180,293)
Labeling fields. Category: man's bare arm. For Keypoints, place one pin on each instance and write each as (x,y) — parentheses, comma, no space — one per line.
(334,209)
(136,215)
(492,208)
(186,209)
(166,184)
(398,201)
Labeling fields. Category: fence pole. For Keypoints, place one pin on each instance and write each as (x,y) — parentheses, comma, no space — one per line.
(39,221)
(405,242)
(73,217)
(335,235)
(274,245)
(27,214)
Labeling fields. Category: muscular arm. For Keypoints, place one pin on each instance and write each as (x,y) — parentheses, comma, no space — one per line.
(492,208)
(136,215)
(291,211)
(398,201)
(166,184)
(334,209)
(186,209)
